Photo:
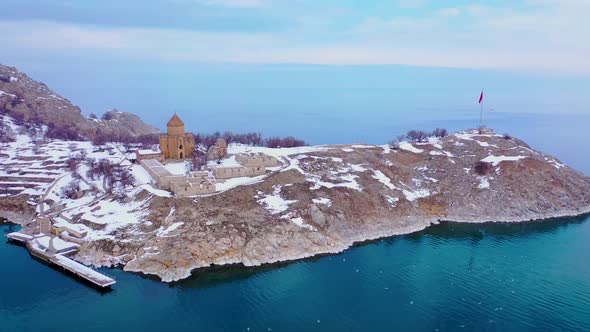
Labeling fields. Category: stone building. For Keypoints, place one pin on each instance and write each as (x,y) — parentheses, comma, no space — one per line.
(217,151)
(195,183)
(250,164)
(237,171)
(148,154)
(257,159)
(176,144)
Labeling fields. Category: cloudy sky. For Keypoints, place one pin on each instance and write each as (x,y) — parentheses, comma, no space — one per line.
(531,35)
(226,63)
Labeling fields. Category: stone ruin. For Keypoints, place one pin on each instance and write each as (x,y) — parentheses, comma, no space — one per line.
(251,164)
(217,151)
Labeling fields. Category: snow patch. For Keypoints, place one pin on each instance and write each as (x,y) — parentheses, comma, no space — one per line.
(409,147)
(349,182)
(392,200)
(176,168)
(414,195)
(483,183)
(379,176)
(495,160)
(163,232)
(323,201)
(235,182)
(274,203)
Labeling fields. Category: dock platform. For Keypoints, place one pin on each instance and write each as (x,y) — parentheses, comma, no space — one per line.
(37,245)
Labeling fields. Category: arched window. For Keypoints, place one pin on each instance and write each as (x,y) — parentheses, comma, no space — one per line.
(181,146)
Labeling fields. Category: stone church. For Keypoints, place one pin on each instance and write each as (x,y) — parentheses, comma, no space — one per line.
(176,144)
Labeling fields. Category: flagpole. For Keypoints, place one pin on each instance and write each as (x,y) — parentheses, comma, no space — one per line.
(481,110)
(481,114)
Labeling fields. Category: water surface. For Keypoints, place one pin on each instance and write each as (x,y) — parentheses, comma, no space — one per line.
(450,277)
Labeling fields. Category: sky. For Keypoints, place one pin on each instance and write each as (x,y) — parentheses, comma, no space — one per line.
(532,35)
(235,58)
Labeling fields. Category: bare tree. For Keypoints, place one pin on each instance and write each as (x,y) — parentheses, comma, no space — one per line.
(6,133)
(71,189)
(440,132)
(99,141)
(229,137)
(198,162)
(417,135)
(72,163)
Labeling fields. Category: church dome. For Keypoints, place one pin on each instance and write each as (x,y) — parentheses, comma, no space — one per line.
(175,121)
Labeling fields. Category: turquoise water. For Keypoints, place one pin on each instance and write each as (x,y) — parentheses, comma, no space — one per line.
(451,277)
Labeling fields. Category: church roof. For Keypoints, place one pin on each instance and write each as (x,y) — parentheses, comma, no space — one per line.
(175,121)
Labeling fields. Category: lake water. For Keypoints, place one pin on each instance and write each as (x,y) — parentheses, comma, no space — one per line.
(451,277)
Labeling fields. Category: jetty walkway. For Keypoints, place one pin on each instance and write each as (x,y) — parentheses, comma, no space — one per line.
(53,250)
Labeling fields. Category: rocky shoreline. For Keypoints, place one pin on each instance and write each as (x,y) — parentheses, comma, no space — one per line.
(326,199)
(185,273)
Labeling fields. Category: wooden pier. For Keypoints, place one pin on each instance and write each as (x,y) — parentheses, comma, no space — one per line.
(55,256)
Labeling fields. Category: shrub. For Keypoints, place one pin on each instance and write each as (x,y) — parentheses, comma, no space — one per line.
(507,136)
(394,144)
(482,168)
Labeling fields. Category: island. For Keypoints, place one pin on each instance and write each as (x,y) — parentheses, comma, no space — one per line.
(159,209)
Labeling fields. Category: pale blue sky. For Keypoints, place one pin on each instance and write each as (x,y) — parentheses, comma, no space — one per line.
(240,59)
(532,35)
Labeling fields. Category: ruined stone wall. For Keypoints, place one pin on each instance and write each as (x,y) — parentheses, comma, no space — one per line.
(238,171)
(156,156)
(192,186)
(255,160)
(166,181)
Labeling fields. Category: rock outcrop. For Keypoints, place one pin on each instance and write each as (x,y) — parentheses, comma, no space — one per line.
(29,100)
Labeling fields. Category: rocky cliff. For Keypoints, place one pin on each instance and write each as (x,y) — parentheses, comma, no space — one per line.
(27,99)
(324,199)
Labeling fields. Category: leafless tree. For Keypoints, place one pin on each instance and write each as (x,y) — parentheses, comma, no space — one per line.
(417,135)
(72,163)
(198,162)
(71,189)
(229,137)
(440,132)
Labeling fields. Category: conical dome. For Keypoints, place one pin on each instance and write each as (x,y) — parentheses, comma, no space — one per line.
(175,121)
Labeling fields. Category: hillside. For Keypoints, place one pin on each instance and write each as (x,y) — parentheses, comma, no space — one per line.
(24,98)
(322,199)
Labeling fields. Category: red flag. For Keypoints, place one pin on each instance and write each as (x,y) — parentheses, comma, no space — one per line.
(481,97)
